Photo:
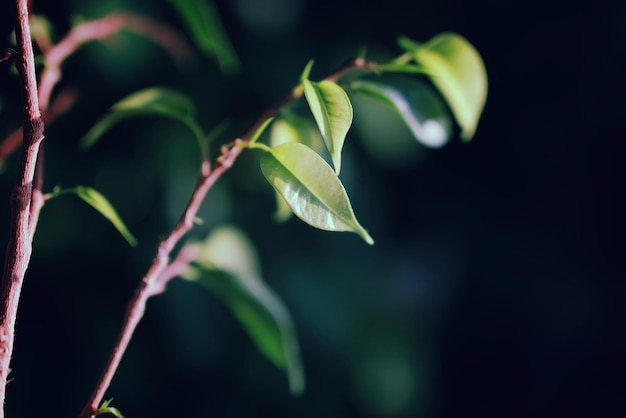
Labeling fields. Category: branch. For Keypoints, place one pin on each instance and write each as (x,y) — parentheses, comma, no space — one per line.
(104,28)
(95,30)
(24,210)
(162,270)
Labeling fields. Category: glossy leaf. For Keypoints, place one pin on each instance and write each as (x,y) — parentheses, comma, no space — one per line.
(227,264)
(422,110)
(290,127)
(149,102)
(332,110)
(459,73)
(97,201)
(206,28)
(311,188)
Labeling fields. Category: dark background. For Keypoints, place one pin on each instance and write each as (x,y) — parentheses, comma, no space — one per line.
(496,283)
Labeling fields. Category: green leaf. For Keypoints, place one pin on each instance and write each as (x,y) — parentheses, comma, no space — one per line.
(227,264)
(307,71)
(332,110)
(97,201)
(291,127)
(257,134)
(311,188)
(459,73)
(395,67)
(106,409)
(154,101)
(408,44)
(423,111)
(205,26)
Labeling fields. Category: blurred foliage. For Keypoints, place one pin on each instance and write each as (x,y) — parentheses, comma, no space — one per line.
(492,286)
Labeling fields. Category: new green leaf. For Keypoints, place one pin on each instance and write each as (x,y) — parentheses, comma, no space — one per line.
(206,28)
(97,201)
(422,110)
(311,188)
(459,73)
(105,408)
(149,102)
(227,264)
(291,127)
(332,110)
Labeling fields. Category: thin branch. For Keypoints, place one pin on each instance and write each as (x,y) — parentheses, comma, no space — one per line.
(162,270)
(61,104)
(19,248)
(102,29)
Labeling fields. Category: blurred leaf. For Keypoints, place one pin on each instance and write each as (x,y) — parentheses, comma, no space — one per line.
(205,26)
(41,27)
(395,67)
(97,201)
(458,71)
(311,188)
(332,110)
(154,101)
(227,265)
(422,109)
(408,44)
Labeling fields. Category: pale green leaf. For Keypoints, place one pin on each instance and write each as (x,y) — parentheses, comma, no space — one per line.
(422,110)
(206,28)
(227,264)
(257,134)
(97,201)
(105,408)
(332,110)
(307,71)
(153,101)
(311,188)
(291,127)
(458,71)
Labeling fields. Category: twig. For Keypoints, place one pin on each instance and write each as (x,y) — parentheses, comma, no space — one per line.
(94,30)
(61,104)
(104,28)
(162,270)
(157,276)
(24,211)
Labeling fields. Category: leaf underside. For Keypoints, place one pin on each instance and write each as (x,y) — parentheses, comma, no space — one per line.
(311,188)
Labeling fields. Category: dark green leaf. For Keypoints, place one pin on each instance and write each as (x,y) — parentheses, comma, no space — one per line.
(332,110)
(311,188)
(206,28)
(458,71)
(227,264)
(413,99)
(149,102)
(102,205)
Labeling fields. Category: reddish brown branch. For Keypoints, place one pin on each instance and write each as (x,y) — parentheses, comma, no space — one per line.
(61,104)
(157,276)
(95,30)
(162,270)
(24,210)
